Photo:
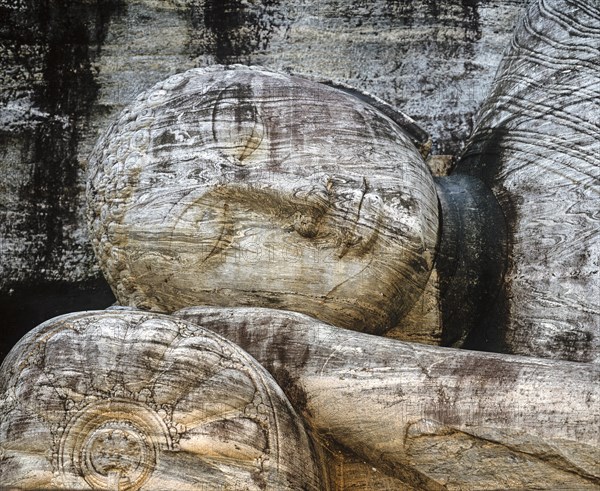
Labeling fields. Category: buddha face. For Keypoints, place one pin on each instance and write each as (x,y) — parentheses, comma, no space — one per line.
(241,187)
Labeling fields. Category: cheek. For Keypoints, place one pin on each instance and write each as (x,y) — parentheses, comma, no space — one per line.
(340,257)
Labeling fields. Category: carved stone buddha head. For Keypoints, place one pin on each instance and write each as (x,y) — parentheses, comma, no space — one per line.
(237,186)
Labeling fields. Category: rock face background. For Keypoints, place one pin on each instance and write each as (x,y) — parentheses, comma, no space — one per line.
(67,68)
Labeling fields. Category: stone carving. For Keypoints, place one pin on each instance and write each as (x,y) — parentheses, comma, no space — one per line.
(131,400)
(437,418)
(134,400)
(244,188)
(125,46)
(112,444)
(213,183)
(536,144)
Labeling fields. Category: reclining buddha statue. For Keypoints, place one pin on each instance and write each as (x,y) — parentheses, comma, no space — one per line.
(293,284)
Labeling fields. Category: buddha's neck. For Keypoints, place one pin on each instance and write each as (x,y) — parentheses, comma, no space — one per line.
(471,259)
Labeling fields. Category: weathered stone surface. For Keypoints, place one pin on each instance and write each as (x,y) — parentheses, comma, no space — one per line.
(145,401)
(438,418)
(389,415)
(131,400)
(239,186)
(537,145)
(66,70)
(47,91)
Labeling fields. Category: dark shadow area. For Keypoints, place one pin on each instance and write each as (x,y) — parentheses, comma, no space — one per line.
(28,306)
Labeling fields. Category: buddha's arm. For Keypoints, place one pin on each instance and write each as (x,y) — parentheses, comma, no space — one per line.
(431,415)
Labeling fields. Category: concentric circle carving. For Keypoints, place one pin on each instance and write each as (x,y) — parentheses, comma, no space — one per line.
(113,444)
(118,453)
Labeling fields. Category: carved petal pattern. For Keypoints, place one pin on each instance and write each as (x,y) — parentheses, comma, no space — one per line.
(129,400)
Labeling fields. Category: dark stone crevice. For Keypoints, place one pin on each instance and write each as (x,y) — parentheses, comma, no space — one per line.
(28,305)
(471,263)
